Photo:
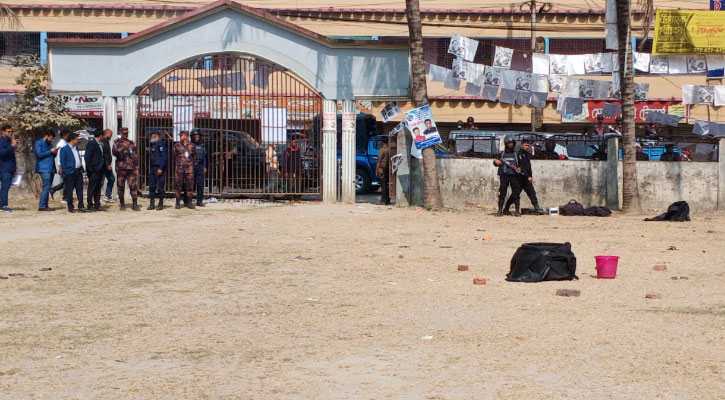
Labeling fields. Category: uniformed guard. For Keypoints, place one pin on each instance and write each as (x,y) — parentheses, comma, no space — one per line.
(184,161)
(126,168)
(199,166)
(508,167)
(158,155)
(526,180)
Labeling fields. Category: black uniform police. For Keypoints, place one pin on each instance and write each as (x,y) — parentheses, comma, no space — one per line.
(199,167)
(507,175)
(157,171)
(526,180)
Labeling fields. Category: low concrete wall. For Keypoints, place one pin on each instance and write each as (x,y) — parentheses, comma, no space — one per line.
(660,183)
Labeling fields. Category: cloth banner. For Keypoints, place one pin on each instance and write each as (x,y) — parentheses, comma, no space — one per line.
(538,100)
(677,64)
(689,32)
(157,91)
(475,73)
(508,96)
(508,79)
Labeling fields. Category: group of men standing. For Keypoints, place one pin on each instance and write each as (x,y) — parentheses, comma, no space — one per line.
(65,159)
(514,171)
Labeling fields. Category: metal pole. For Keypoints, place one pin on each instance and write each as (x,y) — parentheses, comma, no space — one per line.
(329,151)
(533,50)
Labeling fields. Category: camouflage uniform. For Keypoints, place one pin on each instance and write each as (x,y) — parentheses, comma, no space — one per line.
(126,167)
(184,161)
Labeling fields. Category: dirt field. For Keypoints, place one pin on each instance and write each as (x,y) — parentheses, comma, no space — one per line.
(313,301)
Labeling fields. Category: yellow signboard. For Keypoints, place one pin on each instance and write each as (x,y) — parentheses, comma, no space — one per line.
(689,32)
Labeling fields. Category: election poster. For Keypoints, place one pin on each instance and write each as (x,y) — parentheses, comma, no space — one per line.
(423,127)
(689,32)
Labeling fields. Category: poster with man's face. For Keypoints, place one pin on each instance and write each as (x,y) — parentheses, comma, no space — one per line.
(502,57)
(696,64)
(423,127)
(641,91)
(390,111)
(459,69)
(463,47)
(492,76)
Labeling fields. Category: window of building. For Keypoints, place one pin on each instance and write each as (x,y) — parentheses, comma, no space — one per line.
(82,35)
(14,44)
(576,46)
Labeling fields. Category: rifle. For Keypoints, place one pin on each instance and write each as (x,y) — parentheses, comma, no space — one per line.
(513,167)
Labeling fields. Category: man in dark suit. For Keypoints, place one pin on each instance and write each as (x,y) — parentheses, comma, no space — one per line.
(72,167)
(95,168)
(110,178)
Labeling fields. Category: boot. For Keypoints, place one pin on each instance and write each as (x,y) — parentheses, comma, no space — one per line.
(191,205)
(516,210)
(500,210)
(178,203)
(538,209)
(121,204)
(135,206)
(161,204)
(152,206)
(199,203)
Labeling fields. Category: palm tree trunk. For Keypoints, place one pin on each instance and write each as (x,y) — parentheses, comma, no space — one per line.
(432,192)
(630,192)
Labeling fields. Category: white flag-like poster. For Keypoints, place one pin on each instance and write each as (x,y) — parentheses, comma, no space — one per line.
(594,63)
(696,64)
(555,83)
(575,64)
(558,64)
(438,73)
(658,65)
(390,111)
(463,47)
(698,94)
(474,73)
(641,91)
(492,76)
(641,61)
(502,57)
(677,64)
(540,63)
(459,69)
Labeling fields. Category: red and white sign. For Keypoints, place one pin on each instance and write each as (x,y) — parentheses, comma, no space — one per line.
(591,109)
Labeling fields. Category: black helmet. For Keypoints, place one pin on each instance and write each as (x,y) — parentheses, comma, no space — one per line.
(196,131)
(509,139)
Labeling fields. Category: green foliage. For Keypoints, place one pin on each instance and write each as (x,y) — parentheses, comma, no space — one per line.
(35,110)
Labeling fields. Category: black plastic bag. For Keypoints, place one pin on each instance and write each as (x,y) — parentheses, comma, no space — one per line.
(678,211)
(598,211)
(536,262)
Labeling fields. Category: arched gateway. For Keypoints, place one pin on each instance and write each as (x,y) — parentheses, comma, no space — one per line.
(247,110)
(244,77)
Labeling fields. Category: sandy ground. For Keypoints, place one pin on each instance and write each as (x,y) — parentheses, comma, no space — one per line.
(314,301)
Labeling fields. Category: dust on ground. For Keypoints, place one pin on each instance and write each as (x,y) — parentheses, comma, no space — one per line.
(316,301)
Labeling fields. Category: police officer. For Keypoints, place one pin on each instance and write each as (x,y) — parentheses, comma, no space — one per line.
(157,170)
(199,167)
(184,161)
(525,178)
(508,167)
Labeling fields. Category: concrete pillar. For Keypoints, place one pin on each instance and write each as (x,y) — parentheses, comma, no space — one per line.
(129,108)
(348,152)
(721,175)
(110,115)
(612,196)
(329,151)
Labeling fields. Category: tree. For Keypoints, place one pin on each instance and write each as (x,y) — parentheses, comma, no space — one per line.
(8,19)
(33,111)
(432,192)
(630,192)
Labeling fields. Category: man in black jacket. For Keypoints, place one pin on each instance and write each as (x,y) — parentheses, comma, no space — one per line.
(96,168)
(108,156)
(526,180)
(508,169)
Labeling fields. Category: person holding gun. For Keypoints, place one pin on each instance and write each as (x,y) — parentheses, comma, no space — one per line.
(508,169)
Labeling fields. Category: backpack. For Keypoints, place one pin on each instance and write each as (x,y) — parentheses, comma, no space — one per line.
(536,262)
(598,211)
(678,211)
(572,208)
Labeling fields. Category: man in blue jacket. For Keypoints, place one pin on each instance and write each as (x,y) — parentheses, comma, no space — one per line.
(70,163)
(158,157)
(8,144)
(45,166)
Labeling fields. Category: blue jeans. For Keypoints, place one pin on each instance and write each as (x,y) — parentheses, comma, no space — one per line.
(5,179)
(111,180)
(47,178)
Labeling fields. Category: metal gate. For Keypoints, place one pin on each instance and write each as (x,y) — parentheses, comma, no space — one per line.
(248,111)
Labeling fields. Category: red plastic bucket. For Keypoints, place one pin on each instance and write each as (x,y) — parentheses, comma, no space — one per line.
(606,266)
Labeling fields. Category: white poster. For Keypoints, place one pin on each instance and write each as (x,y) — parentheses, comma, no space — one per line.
(502,57)
(558,64)
(492,76)
(696,64)
(508,79)
(274,125)
(540,63)
(538,83)
(474,72)
(463,47)
(555,83)
(677,64)
(438,73)
(575,64)
(608,63)
(698,94)
(641,91)
(459,69)
(720,95)
(183,120)
(390,111)
(594,63)
(586,88)
(659,65)
(423,127)
(715,65)
(641,61)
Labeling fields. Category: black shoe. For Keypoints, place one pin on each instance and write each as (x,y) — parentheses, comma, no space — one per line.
(200,204)
(516,211)
(52,193)
(45,209)
(152,205)
(190,205)
(507,212)
(82,209)
(98,208)
(161,205)
(500,212)
(122,204)
(178,204)
(70,210)
(135,206)
(91,209)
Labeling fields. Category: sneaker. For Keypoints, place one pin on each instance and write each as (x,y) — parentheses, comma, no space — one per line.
(109,200)
(63,202)
(7,209)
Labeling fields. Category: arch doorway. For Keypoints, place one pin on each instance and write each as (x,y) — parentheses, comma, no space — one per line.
(248,110)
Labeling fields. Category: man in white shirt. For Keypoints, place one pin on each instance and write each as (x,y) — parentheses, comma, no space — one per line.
(70,162)
(61,143)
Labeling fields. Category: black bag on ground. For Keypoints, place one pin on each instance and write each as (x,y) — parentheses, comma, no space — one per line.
(536,262)
(598,211)
(678,211)
(572,208)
